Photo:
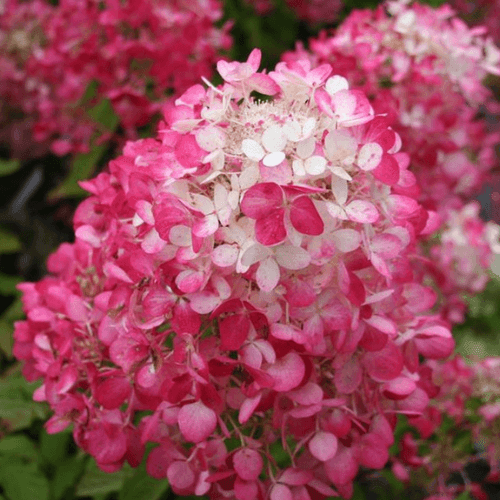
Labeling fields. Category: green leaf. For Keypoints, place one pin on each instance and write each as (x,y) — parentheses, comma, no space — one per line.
(18,446)
(54,447)
(104,114)
(66,476)
(9,242)
(142,485)
(95,482)
(17,408)
(6,337)
(19,414)
(8,284)
(23,482)
(8,167)
(82,168)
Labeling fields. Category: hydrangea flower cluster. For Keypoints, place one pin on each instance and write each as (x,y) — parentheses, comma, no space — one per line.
(242,288)
(424,68)
(136,52)
(468,395)
(311,11)
(483,12)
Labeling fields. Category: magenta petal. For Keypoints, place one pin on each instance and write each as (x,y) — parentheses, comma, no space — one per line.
(305,218)
(385,364)
(112,392)
(233,331)
(372,451)
(387,170)
(343,467)
(260,199)
(270,229)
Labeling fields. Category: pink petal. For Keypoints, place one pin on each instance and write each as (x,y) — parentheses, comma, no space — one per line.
(348,377)
(244,490)
(305,218)
(372,451)
(270,230)
(263,84)
(287,372)
(362,211)
(308,394)
(343,467)
(248,464)
(385,364)
(248,407)
(323,446)
(398,388)
(402,206)
(196,422)
(112,392)
(261,199)
(387,171)
(189,281)
(281,492)
(234,331)
(386,245)
(180,475)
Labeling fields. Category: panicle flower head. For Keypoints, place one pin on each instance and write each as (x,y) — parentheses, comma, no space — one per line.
(247,274)
(423,68)
(135,53)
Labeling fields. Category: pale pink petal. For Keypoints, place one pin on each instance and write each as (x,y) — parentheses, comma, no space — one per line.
(362,211)
(196,422)
(346,240)
(291,257)
(268,274)
(225,255)
(248,464)
(280,492)
(180,475)
(323,446)
(370,156)
(287,372)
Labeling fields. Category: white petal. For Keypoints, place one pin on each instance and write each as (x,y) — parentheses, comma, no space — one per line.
(336,83)
(273,159)
(274,139)
(308,127)
(268,275)
(225,255)
(293,258)
(305,148)
(210,138)
(252,149)
(340,172)
(340,189)
(340,144)
(292,130)
(336,211)
(346,240)
(369,156)
(249,176)
(180,236)
(254,254)
(203,203)
(298,168)
(315,165)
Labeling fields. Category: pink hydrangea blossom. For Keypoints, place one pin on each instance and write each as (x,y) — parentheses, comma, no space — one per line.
(423,68)
(246,274)
(135,53)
